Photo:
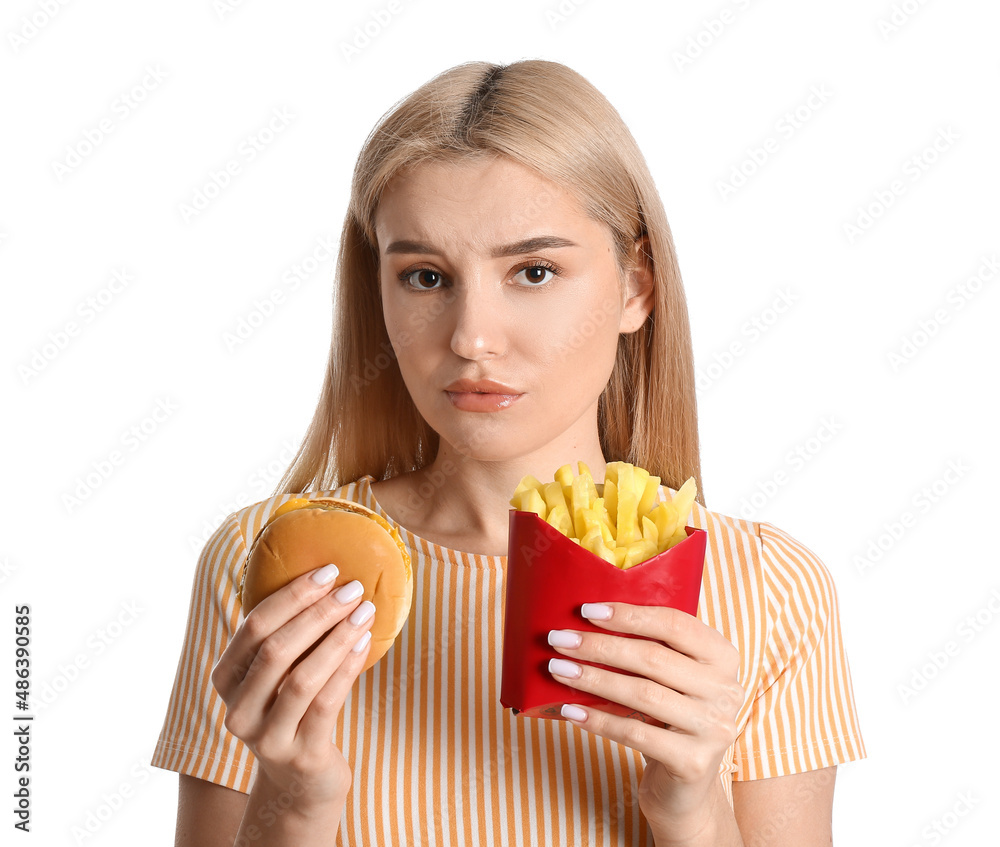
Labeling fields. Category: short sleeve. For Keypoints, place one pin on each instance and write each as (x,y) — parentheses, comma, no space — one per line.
(803,715)
(193,739)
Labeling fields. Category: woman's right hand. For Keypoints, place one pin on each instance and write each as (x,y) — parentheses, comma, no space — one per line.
(283,698)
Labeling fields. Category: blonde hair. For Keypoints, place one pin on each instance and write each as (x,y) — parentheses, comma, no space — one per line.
(546,117)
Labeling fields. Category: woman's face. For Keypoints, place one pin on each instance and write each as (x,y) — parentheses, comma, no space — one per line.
(490,271)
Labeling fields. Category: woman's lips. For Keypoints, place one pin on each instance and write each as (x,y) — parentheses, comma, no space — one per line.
(470,401)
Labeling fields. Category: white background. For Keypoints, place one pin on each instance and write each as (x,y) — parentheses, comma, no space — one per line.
(921,615)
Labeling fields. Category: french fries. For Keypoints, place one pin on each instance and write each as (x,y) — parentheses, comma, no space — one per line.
(619,520)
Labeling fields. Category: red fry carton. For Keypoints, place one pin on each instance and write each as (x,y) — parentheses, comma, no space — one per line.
(549,577)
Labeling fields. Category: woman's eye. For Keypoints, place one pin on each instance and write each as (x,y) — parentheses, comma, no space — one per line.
(423,278)
(536,274)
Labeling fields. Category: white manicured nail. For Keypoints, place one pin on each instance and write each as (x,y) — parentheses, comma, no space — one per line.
(362,613)
(325,575)
(596,611)
(564,638)
(362,642)
(574,713)
(560,667)
(352,591)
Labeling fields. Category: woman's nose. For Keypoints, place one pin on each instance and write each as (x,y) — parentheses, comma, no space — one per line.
(479,322)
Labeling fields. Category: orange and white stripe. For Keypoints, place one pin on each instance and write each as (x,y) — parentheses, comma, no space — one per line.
(437,760)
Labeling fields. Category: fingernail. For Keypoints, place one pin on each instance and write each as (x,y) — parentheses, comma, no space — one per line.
(362,642)
(574,713)
(362,613)
(351,591)
(596,611)
(560,667)
(564,638)
(325,575)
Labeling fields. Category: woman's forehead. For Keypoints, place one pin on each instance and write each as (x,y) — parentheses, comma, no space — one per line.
(464,179)
(488,205)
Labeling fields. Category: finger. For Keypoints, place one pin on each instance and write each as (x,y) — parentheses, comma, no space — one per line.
(266,618)
(683,632)
(652,741)
(280,651)
(320,720)
(641,656)
(307,691)
(634,692)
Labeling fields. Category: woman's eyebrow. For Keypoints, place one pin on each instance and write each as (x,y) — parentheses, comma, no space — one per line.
(518,248)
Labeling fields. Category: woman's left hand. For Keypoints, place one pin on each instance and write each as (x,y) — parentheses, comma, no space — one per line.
(687,678)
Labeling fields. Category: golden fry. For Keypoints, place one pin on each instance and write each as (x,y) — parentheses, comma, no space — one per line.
(611,503)
(580,504)
(531,501)
(620,521)
(649,494)
(559,519)
(553,494)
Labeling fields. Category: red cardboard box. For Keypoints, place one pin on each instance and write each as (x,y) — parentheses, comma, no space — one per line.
(549,577)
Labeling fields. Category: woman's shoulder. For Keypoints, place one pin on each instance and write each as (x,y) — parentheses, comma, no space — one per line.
(757,556)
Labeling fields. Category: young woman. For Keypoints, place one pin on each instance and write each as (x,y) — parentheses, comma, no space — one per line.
(507,301)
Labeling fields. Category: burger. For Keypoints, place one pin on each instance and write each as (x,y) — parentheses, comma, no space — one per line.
(303,534)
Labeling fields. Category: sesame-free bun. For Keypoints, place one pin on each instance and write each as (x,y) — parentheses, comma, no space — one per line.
(306,534)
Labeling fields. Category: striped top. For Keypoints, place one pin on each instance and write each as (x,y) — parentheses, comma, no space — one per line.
(437,760)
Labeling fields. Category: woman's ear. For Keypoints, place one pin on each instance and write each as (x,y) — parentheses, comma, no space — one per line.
(639,291)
